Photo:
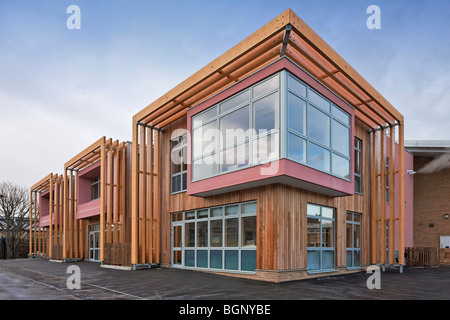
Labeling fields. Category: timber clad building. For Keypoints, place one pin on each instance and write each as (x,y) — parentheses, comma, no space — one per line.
(277,161)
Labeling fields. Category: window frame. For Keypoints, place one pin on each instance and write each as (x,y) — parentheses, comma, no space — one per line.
(181,144)
(354,249)
(95,182)
(333,117)
(251,138)
(358,148)
(223,218)
(320,249)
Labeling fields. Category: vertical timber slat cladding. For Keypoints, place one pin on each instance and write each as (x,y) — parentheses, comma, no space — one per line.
(281,212)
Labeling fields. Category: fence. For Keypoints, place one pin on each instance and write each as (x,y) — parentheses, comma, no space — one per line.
(422,256)
(118,254)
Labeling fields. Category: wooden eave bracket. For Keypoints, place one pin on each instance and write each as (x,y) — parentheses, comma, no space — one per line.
(285,42)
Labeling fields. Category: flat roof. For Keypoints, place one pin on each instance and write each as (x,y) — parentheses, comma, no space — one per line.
(285,36)
(427,147)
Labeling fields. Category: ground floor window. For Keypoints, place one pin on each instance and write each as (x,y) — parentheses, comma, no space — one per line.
(320,238)
(219,238)
(353,235)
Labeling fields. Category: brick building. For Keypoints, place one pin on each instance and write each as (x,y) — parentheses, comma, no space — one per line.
(431,193)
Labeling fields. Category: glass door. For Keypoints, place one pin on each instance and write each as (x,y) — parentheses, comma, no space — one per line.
(94,243)
(177,244)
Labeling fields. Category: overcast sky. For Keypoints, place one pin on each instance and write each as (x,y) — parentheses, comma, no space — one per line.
(61,89)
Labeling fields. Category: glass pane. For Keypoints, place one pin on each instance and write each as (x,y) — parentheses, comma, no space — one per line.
(216,212)
(327,259)
(318,157)
(205,167)
(318,126)
(184,181)
(340,114)
(235,101)
(231,259)
(215,257)
(249,208)
(266,86)
(356,258)
(318,100)
(248,229)
(265,113)
(248,260)
(184,159)
(296,148)
(357,161)
(231,235)
(356,217)
(176,159)
(313,259)
(234,127)
(313,210)
(296,86)
(235,158)
(205,139)
(202,258)
(327,234)
(313,233)
(189,215)
(356,236)
(189,258)
(216,233)
(177,216)
(202,234)
(340,138)
(348,235)
(202,213)
(341,166)
(189,230)
(177,257)
(358,184)
(349,258)
(296,113)
(231,210)
(176,183)
(177,236)
(198,120)
(266,148)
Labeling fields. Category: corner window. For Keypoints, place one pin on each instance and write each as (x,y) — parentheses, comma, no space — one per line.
(95,188)
(178,157)
(318,131)
(238,132)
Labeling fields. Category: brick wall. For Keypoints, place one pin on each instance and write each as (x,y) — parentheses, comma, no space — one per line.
(431,202)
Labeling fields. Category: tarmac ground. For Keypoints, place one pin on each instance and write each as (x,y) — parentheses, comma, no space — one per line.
(40,279)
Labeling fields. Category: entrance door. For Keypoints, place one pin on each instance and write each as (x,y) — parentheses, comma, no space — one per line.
(94,243)
(177,244)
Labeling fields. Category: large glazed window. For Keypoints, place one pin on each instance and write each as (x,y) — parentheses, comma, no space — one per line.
(219,238)
(178,168)
(239,132)
(318,131)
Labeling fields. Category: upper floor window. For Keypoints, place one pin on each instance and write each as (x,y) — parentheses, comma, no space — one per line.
(358,165)
(95,188)
(238,132)
(178,169)
(247,128)
(318,131)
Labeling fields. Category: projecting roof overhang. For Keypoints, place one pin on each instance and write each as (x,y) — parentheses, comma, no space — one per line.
(285,36)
